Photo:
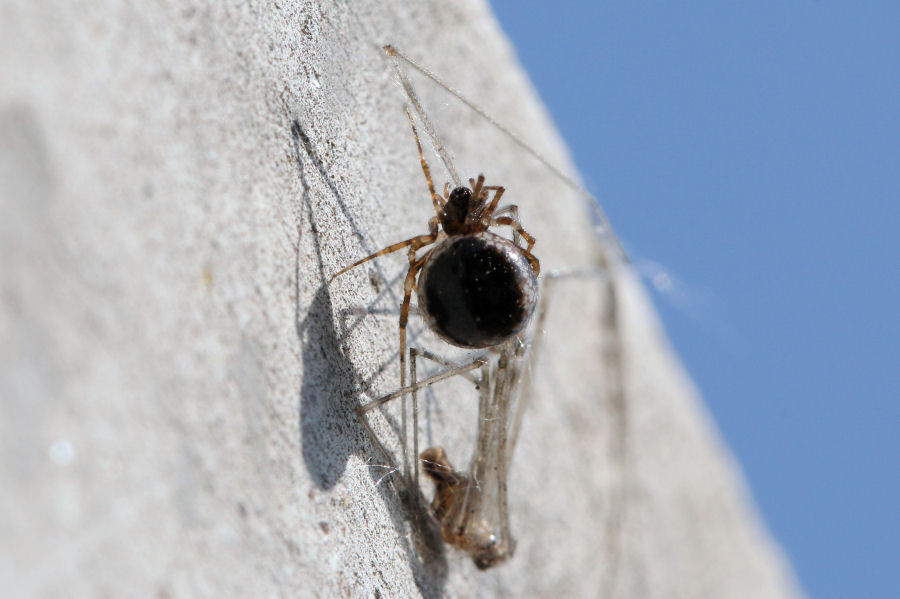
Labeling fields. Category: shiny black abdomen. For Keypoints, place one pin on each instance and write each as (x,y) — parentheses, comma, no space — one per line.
(477,290)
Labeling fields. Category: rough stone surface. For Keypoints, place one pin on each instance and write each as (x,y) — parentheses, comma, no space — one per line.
(178,377)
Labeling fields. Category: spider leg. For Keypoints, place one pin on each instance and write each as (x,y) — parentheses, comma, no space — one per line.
(414,99)
(433,224)
(508,209)
(416,242)
(513,221)
(477,186)
(479,201)
(435,198)
(498,193)
(408,284)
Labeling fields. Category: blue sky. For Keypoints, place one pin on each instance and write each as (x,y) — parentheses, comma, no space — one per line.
(753,150)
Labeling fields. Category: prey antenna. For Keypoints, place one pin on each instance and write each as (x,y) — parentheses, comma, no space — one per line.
(602,220)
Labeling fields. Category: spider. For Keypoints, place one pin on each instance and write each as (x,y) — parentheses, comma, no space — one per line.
(476,289)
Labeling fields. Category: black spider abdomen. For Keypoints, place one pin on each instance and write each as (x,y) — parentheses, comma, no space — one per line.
(477,290)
